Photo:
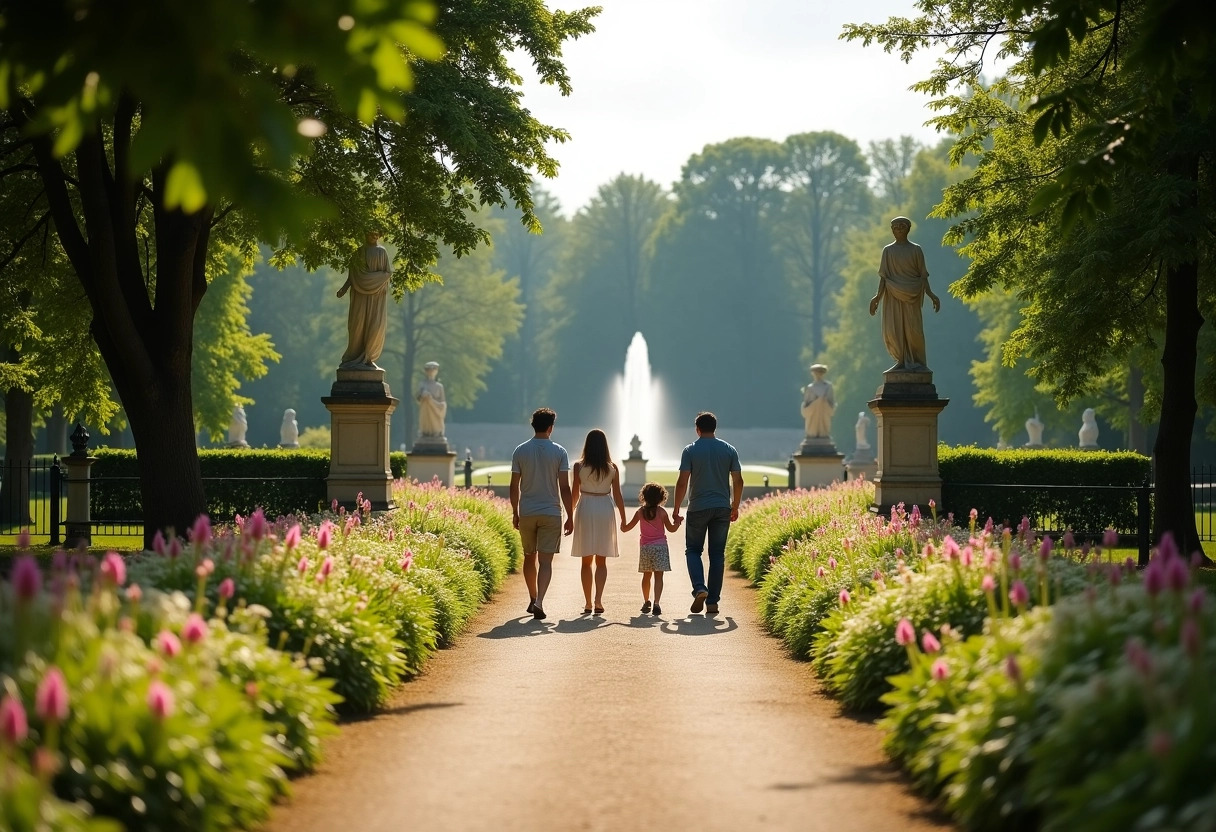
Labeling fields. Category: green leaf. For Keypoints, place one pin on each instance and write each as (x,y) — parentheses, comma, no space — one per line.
(184,188)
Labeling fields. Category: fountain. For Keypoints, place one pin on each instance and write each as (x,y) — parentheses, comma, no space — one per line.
(638,403)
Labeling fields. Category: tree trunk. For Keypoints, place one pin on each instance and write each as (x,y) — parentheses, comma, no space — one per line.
(1173,509)
(57,432)
(1137,436)
(18,457)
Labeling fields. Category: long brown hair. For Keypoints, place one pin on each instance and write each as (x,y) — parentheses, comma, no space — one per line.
(595,453)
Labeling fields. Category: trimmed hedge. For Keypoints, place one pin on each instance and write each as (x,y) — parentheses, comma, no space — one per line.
(1085,510)
(279,481)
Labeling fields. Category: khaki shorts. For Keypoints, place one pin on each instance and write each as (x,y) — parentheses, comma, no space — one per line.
(541,533)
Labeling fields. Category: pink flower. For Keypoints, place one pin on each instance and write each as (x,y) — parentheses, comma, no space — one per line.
(820,572)
(1138,656)
(27,577)
(905,633)
(323,536)
(14,726)
(175,548)
(195,629)
(988,584)
(940,670)
(1167,548)
(1045,547)
(1154,580)
(967,556)
(200,533)
(1019,594)
(390,535)
(1176,575)
(333,506)
(1110,538)
(168,643)
(407,560)
(227,589)
(831,563)
(974,514)
(1012,669)
(1015,561)
(51,698)
(1067,541)
(113,569)
(251,690)
(292,539)
(257,527)
(928,552)
(1191,641)
(135,593)
(1197,600)
(160,700)
(23,540)
(929,643)
(158,543)
(302,566)
(327,566)
(844,597)
(950,548)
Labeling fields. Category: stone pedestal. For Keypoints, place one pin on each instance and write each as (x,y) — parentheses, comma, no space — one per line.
(907,406)
(635,471)
(430,459)
(360,407)
(862,463)
(815,470)
(78,526)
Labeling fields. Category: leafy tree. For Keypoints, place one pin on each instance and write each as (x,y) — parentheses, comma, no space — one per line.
(828,196)
(1117,134)
(603,271)
(892,160)
(150,165)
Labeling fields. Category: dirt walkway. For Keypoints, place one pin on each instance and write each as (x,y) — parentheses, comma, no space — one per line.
(613,722)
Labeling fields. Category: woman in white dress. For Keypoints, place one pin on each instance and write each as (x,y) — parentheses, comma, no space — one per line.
(596,492)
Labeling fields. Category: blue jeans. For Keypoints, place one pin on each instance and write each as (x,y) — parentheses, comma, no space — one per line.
(715,522)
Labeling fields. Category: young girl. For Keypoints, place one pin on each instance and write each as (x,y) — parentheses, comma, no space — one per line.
(653,558)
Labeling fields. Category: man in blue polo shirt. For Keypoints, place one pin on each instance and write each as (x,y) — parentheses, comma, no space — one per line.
(711,467)
(540,488)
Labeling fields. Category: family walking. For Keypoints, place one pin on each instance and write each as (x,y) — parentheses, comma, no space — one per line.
(542,486)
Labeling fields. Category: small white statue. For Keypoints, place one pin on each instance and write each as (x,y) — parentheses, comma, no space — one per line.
(818,402)
(289,431)
(237,428)
(1034,429)
(432,406)
(863,424)
(1088,434)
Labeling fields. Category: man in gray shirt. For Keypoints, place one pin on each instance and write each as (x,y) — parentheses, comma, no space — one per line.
(540,487)
(711,466)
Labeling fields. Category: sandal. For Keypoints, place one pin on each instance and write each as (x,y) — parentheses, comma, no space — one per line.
(599,610)
(646,608)
(587,611)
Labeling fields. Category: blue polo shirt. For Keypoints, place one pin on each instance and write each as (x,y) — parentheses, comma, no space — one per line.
(538,462)
(710,461)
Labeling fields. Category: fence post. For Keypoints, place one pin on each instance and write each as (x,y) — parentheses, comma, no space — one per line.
(468,471)
(1144,519)
(79,524)
(56,485)
(792,468)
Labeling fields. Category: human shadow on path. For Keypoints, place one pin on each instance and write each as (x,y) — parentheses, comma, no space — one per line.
(519,627)
(697,625)
(641,622)
(866,775)
(582,624)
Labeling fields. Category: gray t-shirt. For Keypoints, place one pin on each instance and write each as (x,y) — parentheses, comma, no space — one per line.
(710,461)
(538,462)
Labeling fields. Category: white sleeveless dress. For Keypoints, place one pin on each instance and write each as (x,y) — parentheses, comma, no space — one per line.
(595,520)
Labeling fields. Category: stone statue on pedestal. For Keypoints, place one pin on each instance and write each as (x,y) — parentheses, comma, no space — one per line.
(859,431)
(367,319)
(903,283)
(1034,430)
(818,403)
(289,431)
(432,408)
(237,428)
(1087,436)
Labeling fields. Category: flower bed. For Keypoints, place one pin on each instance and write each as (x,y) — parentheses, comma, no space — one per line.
(1027,685)
(181,689)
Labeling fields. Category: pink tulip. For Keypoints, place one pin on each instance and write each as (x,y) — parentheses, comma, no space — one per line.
(820,572)
(1167,548)
(831,563)
(844,597)
(1068,541)
(988,584)
(928,551)
(323,536)
(195,629)
(1015,561)
(327,566)
(1019,594)
(940,670)
(407,561)
(929,643)
(1154,580)
(1110,539)
(905,633)
(1045,547)
(1176,575)
(175,548)
(113,569)
(257,527)
(51,698)
(158,543)
(14,726)
(168,643)
(333,506)
(302,566)
(227,589)
(292,539)
(200,533)
(135,593)
(27,577)
(950,550)
(160,700)
(967,556)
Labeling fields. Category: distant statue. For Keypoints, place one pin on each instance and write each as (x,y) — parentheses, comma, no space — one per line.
(1088,434)
(818,402)
(635,447)
(903,283)
(863,425)
(1034,430)
(289,431)
(368,316)
(237,428)
(432,406)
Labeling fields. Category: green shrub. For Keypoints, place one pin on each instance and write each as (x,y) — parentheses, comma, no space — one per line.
(1088,511)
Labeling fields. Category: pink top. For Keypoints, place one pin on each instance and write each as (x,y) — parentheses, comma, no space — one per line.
(653,530)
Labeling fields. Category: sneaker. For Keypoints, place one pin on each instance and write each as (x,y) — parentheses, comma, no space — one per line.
(531,606)
(657,610)
(537,612)
(646,608)
(698,601)
(711,609)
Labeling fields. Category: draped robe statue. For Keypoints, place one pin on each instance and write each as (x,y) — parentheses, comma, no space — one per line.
(432,406)
(367,319)
(818,403)
(903,283)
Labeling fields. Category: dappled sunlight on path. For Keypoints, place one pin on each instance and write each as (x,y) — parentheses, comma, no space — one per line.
(606,722)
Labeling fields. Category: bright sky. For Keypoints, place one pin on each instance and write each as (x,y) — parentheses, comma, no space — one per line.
(660,79)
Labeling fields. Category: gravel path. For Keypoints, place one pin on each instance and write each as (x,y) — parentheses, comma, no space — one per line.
(613,722)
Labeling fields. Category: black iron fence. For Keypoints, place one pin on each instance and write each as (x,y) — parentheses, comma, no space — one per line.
(32,497)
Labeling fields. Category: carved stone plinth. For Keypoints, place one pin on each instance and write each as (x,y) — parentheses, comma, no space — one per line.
(426,466)
(862,463)
(907,406)
(635,472)
(78,526)
(360,408)
(816,470)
